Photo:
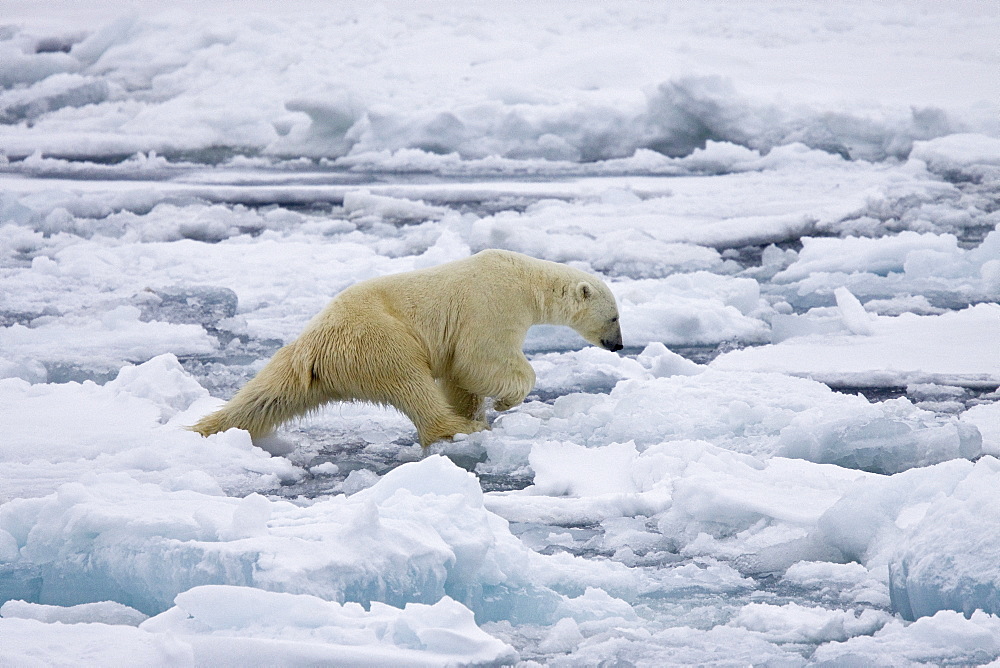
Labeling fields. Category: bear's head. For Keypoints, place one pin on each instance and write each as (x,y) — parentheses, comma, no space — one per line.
(595,314)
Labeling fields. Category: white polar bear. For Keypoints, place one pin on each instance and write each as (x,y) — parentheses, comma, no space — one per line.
(434,343)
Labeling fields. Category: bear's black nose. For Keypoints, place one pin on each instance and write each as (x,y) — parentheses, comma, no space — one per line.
(613,346)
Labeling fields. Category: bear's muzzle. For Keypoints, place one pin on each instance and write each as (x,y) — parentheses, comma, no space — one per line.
(614,345)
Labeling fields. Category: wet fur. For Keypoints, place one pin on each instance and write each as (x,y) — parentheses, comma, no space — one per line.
(434,343)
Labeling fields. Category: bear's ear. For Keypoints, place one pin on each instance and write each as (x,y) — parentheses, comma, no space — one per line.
(584,291)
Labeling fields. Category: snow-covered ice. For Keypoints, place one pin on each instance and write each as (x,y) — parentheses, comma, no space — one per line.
(793,462)
(954,348)
(226,625)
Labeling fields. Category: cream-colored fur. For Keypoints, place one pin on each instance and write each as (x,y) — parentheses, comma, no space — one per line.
(434,343)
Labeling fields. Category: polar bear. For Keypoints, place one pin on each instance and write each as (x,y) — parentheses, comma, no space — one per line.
(435,343)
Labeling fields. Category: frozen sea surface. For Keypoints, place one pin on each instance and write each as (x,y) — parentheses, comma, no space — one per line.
(793,461)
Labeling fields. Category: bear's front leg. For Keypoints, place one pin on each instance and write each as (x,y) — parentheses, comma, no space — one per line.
(505,376)
(515,385)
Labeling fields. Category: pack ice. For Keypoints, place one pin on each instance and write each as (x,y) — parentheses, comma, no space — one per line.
(793,462)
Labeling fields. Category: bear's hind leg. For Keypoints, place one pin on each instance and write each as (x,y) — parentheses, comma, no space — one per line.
(418,396)
(394,369)
(424,402)
(467,404)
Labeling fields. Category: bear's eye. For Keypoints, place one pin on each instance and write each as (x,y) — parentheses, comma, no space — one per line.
(614,319)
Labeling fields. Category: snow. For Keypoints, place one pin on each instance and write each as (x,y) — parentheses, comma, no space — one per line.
(106,612)
(793,462)
(946,637)
(986,418)
(940,565)
(217,624)
(958,151)
(553,83)
(954,348)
